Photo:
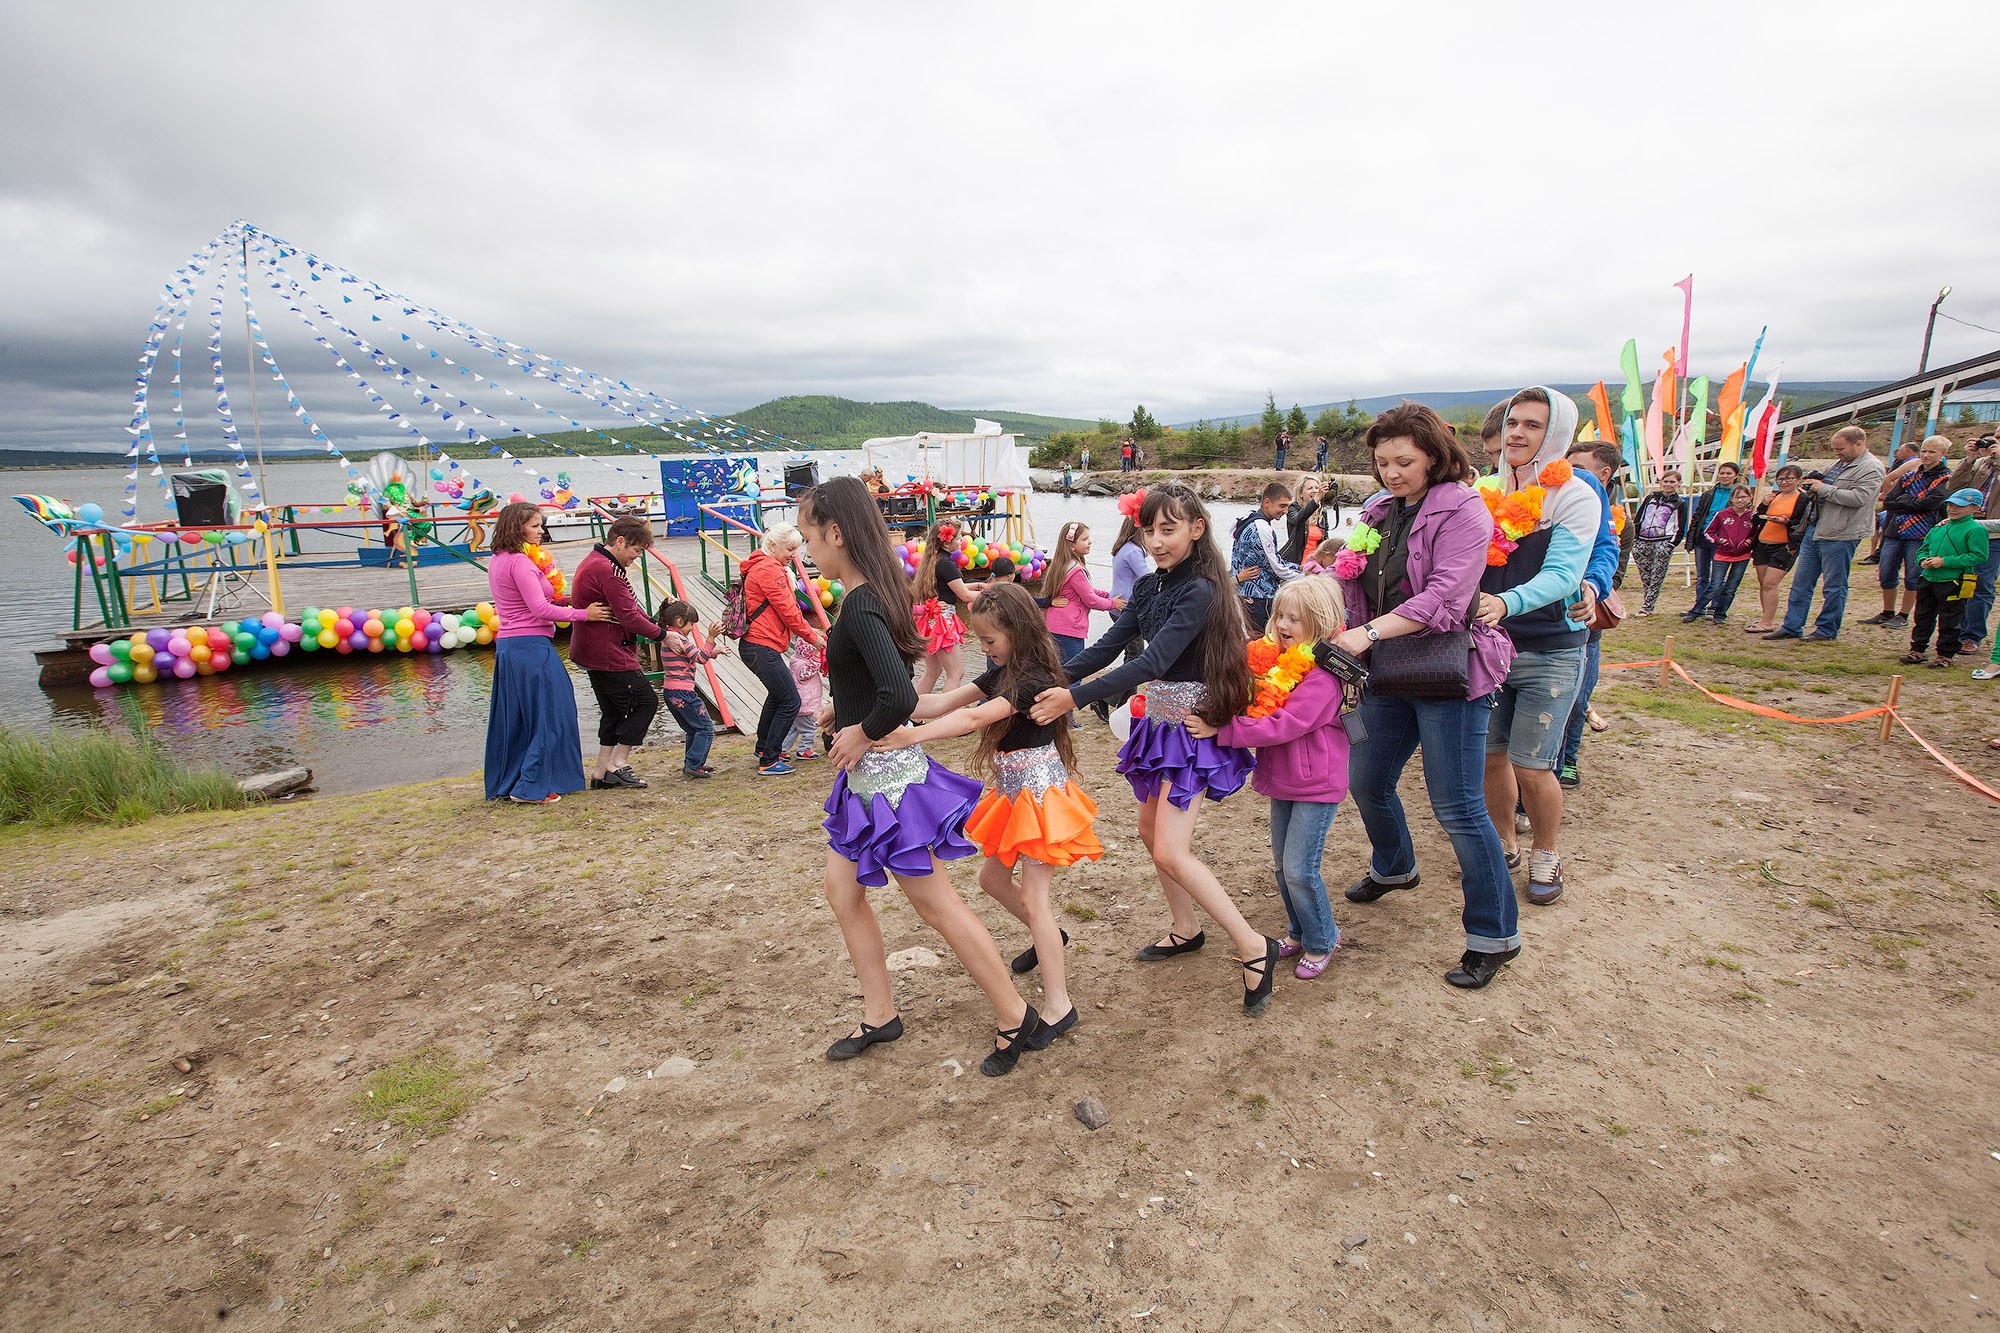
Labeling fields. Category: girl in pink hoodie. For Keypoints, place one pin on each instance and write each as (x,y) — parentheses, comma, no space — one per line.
(1066,583)
(1302,767)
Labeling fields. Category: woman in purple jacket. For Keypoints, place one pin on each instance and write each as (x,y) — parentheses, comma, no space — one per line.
(1424,578)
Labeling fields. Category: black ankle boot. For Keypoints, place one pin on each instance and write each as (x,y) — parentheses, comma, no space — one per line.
(1475,970)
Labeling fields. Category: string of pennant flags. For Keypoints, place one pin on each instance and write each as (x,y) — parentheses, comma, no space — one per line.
(243,255)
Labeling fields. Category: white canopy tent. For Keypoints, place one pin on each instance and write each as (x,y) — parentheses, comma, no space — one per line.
(986,457)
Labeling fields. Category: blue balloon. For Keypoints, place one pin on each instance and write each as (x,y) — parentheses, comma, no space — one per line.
(266,635)
(260,651)
(90,515)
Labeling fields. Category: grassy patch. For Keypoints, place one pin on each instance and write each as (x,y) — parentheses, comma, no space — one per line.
(430,1309)
(1078,912)
(71,777)
(421,1093)
(148,1110)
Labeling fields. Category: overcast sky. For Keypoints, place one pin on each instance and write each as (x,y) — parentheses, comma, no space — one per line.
(1055,208)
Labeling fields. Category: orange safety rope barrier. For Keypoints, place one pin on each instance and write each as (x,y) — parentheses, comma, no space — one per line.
(1887,711)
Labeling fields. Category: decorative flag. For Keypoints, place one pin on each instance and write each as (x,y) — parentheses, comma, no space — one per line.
(1694,435)
(1667,391)
(1656,445)
(1600,402)
(1729,406)
(1761,421)
(1687,320)
(1635,392)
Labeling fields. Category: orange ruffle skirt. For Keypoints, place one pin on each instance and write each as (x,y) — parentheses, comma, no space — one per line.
(1052,826)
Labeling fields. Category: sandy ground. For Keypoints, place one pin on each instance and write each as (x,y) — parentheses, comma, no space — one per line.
(1742,1078)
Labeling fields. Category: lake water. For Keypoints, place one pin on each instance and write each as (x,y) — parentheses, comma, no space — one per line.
(358,723)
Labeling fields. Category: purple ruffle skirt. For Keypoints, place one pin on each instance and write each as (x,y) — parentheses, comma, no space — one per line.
(897,809)
(1163,756)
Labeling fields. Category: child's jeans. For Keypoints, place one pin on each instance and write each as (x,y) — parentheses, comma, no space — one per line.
(1298,843)
(1724,578)
(689,710)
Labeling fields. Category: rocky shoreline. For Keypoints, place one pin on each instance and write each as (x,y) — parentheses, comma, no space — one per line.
(1241,485)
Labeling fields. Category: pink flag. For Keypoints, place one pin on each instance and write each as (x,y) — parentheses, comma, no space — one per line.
(1687,322)
(1656,427)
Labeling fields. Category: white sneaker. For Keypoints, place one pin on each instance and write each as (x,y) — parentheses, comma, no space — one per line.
(1987,672)
(1521,822)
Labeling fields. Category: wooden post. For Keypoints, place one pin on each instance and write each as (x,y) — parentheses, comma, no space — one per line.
(271,566)
(1667,662)
(1889,718)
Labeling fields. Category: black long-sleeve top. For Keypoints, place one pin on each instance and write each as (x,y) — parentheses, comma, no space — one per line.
(1167,610)
(871,681)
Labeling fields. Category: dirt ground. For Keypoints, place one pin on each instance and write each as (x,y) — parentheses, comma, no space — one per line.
(1742,1077)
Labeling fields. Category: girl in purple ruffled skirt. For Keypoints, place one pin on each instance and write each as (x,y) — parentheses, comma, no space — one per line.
(1194,663)
(892,812)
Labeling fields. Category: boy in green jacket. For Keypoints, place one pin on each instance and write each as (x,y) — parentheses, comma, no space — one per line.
(1949,561)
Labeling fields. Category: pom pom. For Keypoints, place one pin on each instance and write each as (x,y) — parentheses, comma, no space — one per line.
(1349,564)
(1363,539)
(1556,473)
(1130,503)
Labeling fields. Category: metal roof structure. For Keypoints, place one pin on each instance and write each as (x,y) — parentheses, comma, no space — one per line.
(1933,384)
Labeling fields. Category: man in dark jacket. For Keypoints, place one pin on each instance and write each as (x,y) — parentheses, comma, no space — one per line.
(1911,507)
(625,699)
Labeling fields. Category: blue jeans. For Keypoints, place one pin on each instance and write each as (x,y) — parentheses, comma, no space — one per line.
(781,699)
(1533,706)
(1452,733)
(1704,559)
(1067,646)
(1724,578)
(1832,560)
(1972,625)
(1573,734)
(692,714)
(1900,553)
(1298,843)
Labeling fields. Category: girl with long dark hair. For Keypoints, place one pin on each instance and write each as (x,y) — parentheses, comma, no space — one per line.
(1195,663)
(891,813)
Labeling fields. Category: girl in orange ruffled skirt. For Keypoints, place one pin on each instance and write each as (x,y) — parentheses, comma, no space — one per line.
(1034,816)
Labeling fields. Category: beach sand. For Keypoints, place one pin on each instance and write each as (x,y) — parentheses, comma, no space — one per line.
(1741,1078)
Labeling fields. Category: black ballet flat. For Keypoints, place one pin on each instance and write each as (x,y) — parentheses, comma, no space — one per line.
(1475,970)
(1025,962)
(1153,953)
(849,1047)
(1048,1032)
(1368,888)
(1002,1058)
(1257,999)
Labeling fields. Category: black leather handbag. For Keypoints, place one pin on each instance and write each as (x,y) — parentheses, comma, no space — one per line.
(1423,666)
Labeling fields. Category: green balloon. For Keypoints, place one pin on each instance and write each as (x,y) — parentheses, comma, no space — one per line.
(120,672)
(246,642)
(122,649)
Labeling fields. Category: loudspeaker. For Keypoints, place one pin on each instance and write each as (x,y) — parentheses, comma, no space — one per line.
(201,501)
(800,478)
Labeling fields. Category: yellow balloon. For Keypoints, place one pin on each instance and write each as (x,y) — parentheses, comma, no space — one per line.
(483,634)
(145,675)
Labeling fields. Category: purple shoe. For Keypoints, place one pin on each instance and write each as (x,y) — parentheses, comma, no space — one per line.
(1310,967)
(1289,949)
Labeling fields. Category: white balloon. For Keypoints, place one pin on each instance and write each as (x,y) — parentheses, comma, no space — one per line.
(1121,721)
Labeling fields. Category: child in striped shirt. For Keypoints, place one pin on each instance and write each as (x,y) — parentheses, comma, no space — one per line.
(681,651)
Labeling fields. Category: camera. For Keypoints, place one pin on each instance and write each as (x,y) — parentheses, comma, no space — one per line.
(1343,665)
(1814,475)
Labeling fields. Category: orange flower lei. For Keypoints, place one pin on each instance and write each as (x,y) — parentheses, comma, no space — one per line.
(547,564)
(1516,515)
(1274,675)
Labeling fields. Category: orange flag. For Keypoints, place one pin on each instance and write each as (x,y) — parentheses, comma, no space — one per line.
(1731,396)
(1600,402)
(1671,403)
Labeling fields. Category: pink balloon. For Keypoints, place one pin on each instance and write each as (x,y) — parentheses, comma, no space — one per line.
(420,617)
(281,647)
(179,645)
(290,633)
(516,498)
(101,677)
(101,654)
(183,668)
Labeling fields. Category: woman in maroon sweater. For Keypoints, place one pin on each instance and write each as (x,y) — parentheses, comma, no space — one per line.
(625,700)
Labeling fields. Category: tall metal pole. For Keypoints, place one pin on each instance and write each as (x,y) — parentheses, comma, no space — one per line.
(250,364)
(1924,361)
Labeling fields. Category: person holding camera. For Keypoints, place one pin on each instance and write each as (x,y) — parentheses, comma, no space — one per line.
(1843,513)
(1912,505)
(1422,579)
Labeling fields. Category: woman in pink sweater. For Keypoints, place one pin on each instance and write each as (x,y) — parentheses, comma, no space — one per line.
(1066,583)
(534,752)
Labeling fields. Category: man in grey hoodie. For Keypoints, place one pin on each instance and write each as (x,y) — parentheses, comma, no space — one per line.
(1843,516)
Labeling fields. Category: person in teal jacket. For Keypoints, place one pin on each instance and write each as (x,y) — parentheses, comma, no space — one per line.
(1949,562)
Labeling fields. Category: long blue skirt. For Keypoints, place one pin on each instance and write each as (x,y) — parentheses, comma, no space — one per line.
(532,746)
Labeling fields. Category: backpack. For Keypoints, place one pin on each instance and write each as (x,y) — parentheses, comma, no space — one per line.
(736,619)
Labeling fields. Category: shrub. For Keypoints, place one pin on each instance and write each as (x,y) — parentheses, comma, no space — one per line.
(93,777)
